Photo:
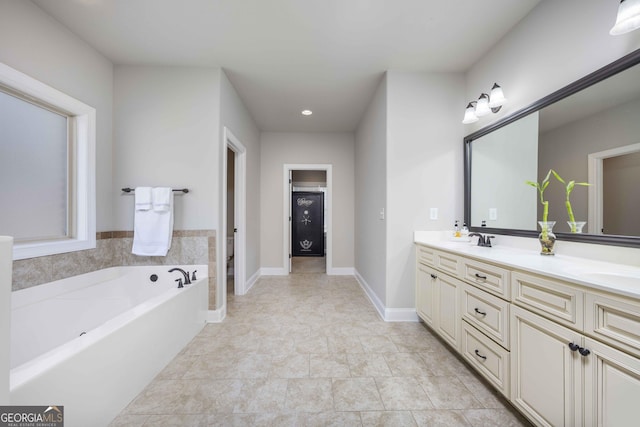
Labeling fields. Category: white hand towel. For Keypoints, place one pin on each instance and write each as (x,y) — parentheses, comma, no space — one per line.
(161,197)
(143,198)
(153,230)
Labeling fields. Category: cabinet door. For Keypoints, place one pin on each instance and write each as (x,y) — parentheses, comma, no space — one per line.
(448,313)
(546,378)
(426,281)
(612,386)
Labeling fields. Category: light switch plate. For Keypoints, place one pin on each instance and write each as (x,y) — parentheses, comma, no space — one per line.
(433,214)
(493,214)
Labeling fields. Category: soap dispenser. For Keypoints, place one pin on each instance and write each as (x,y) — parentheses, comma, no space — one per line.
(464,233)
(456,230)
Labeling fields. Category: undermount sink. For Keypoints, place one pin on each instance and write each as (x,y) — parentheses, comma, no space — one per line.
(621,278)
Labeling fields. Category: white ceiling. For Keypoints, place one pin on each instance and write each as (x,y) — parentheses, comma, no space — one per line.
(283,56)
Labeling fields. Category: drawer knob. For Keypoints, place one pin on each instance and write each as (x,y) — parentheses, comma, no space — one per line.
(480,356)
(433,276)
(574,347)
(584,351)
(481,277)
(479,312)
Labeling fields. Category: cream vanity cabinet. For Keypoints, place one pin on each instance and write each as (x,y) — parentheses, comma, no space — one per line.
(563,353)
(438,300)
(562,372)
(457,298)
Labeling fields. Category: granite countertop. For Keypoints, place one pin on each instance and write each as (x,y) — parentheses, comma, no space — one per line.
(617,278)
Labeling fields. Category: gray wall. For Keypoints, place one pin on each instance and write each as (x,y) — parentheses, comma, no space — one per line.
(279,148)
(371,194)
(35,44)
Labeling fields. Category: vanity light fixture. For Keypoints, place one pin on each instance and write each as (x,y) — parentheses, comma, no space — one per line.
(484,105)
(628,17)
(470,113)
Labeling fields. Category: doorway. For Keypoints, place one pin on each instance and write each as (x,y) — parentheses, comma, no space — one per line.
(312,184)
(233,155)
(231,224)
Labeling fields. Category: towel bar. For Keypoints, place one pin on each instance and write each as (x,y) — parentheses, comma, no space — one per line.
(132,190)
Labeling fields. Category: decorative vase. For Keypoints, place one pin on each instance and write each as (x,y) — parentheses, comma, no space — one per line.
(576,226)
(547,238)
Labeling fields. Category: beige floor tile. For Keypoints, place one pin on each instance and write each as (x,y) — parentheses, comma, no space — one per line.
(309,395)
(294,365)
(262,396)
(311,350)
(191,420)
(387,419)
(125,420)
(441,418)
(333,419)
(407,364)
(448,393)
(329,366)
(402,393)
(377,344)
(356,394)
(368,365)
(493,417)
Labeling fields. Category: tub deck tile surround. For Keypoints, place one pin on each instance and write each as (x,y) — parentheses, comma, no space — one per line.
(310,350)
(113,248)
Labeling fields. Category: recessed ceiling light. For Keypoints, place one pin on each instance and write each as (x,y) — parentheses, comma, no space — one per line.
(307,112)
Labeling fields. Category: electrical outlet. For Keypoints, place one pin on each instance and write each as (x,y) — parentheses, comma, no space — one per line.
(382,214)
(493,214)
(433,214)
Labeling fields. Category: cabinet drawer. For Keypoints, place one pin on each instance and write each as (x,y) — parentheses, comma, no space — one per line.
(489,277)
(614,321)
(448,263)
(489,359)
(550,298)
(487,313)
(426,255)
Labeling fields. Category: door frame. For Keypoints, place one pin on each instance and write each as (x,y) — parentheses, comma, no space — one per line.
(286,209)
(595,217)
(240,191)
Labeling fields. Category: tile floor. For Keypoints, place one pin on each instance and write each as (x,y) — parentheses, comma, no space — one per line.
(310,350)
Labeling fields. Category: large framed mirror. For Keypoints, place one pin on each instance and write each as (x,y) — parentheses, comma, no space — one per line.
(588,131)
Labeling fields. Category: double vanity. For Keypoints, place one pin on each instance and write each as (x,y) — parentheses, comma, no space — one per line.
(557,336)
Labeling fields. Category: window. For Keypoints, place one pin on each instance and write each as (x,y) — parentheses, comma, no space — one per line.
(47,167)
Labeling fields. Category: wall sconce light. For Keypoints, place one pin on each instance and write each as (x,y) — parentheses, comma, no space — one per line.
(628,17)
(484,105)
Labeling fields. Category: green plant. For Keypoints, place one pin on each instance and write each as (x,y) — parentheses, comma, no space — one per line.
(541,186)
(569,186)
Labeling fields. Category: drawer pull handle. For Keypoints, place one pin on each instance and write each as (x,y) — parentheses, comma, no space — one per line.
(479,312)
(480,356)
(584,351)
(481,277)
(574,347)
(433,276)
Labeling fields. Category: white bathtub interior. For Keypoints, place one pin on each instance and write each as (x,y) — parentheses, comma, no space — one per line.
(100,337)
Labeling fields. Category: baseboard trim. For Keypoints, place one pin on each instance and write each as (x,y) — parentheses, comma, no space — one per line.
(387,314)
(216,316)
(401,315)
(252,281)
(341,271)
(370,294)
(273,271)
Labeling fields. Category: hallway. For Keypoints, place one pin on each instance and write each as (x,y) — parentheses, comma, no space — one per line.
(310,350)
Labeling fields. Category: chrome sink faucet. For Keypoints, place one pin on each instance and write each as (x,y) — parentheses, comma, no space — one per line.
(484,241)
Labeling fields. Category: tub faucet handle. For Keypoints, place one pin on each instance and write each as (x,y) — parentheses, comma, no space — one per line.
(179,283)
(187,280)
(193,275)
